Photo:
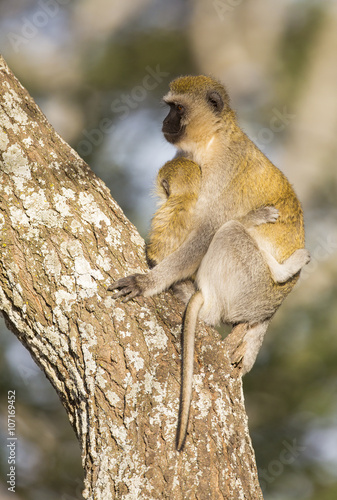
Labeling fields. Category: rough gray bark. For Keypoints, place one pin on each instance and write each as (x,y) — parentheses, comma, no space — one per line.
(115,366)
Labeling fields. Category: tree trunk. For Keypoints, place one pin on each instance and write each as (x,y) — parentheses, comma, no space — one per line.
(115,366)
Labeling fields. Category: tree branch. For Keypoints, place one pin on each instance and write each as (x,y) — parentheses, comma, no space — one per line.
(115,366)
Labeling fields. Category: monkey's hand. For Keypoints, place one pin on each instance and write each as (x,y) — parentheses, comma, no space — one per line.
(260,216)
(130,287)
(266,214)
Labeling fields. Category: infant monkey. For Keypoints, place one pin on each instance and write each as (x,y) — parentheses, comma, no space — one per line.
(177,186)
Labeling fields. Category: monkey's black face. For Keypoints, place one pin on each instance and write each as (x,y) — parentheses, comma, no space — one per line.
(172,128)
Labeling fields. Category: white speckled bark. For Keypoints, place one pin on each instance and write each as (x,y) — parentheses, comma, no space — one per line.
(115,366)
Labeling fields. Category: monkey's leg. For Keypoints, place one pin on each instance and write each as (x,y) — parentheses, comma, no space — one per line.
(236,284)
(282,272)
(235,280)
(237,287)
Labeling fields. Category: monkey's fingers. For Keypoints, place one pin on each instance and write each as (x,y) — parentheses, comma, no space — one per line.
(128,288)
(120,283)
(132,295)
(263,215)
(123,292)
(272,214)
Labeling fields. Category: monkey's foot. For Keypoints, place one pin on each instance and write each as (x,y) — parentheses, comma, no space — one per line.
(236,346)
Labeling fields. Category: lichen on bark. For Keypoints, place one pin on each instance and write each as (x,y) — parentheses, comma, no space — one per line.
(115,366)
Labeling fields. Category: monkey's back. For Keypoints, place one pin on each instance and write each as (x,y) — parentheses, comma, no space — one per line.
(178,184)
(287,234)
(170,226)
(263,184)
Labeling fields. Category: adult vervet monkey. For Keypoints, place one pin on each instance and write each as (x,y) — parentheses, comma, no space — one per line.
(238,273)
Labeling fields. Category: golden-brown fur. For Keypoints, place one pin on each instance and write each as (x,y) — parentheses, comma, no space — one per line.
(171,223)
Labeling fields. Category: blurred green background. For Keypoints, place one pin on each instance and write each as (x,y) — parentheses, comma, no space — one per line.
(98,70)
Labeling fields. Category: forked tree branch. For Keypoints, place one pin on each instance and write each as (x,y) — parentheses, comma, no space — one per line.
(115,366)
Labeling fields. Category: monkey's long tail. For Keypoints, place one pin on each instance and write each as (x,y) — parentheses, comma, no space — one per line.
(191,316)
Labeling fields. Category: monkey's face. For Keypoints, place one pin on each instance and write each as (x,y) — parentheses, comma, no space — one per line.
(173,125)
(178,177)
(197,107)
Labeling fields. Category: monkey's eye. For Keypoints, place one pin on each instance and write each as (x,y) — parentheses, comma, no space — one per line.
(180,108)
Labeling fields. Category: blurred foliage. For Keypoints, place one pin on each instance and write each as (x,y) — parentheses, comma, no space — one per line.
(303,26)
(76,72)
(326,194)
(122,62)
(48,454)
(296,385)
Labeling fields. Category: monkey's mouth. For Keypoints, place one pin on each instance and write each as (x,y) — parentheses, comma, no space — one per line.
(174,137)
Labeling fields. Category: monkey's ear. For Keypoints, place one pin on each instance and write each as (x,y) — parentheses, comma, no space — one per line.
(166,187)
(215,100)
